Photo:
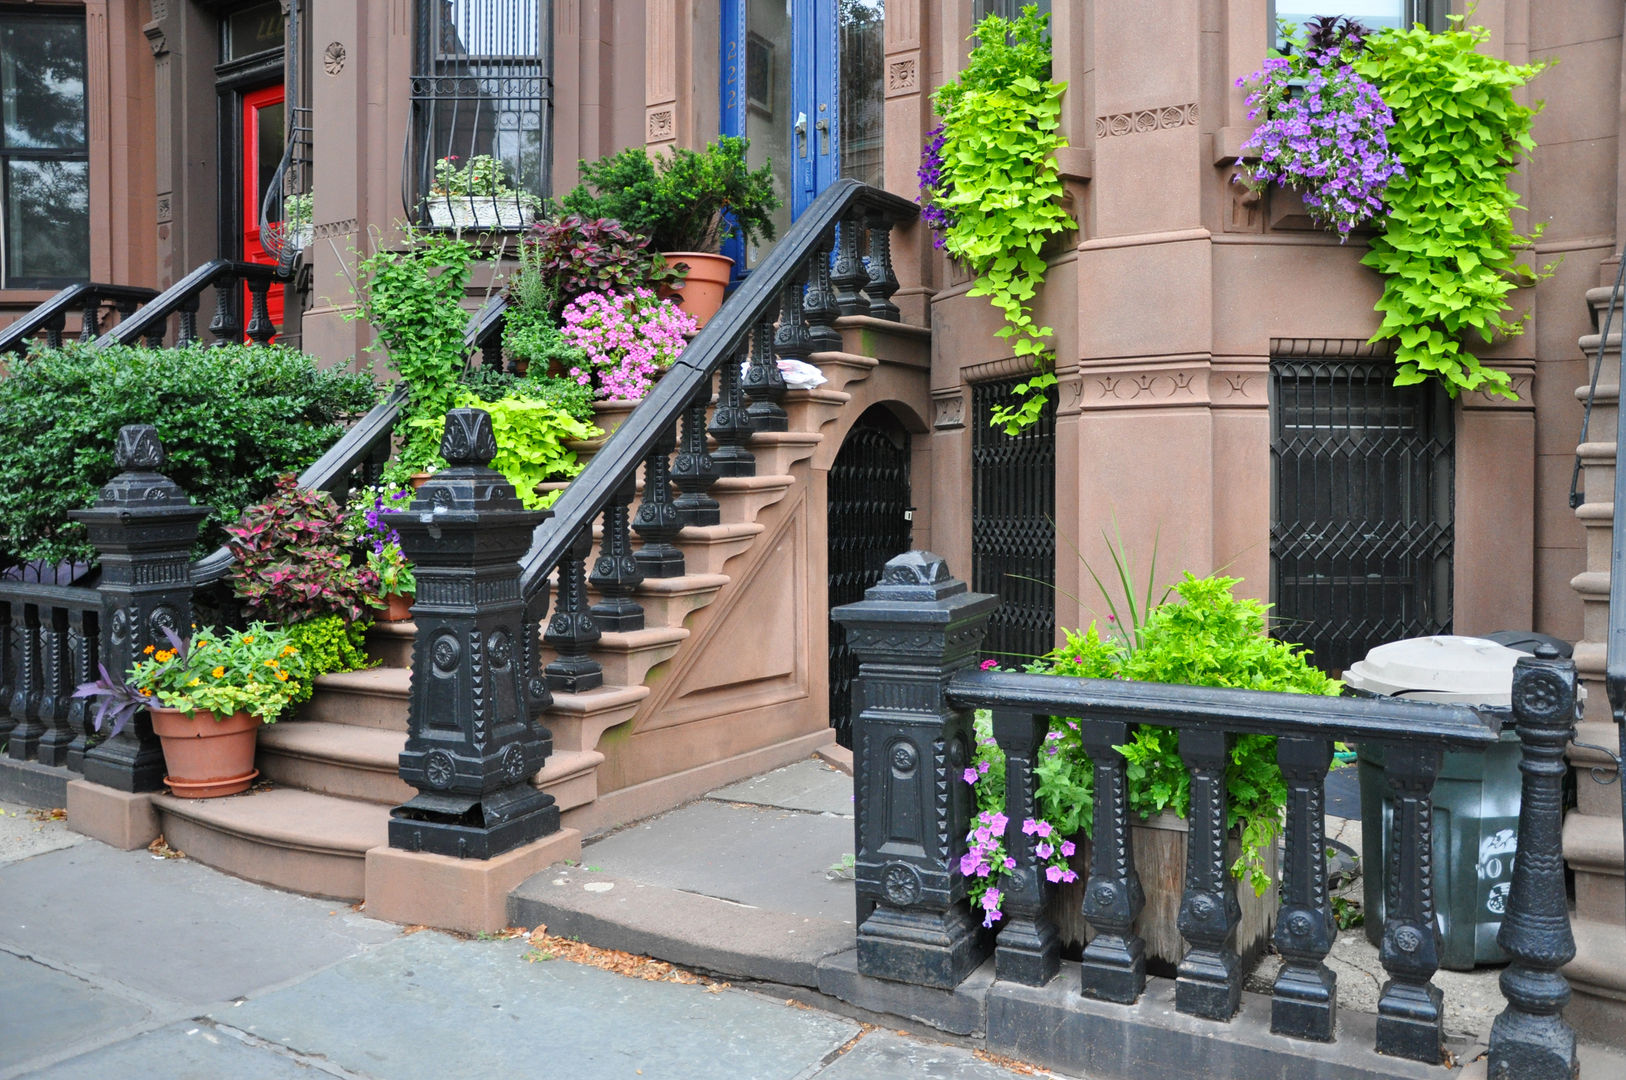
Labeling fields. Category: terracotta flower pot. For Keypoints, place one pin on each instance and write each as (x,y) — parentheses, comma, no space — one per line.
(417,479)
(397,608)
(207,756)
(701,291)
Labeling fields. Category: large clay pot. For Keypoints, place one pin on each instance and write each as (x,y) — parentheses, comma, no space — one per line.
(397,608)
(701,291)
(207,756)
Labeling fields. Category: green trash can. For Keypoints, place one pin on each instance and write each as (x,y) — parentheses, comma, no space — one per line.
(1476,795)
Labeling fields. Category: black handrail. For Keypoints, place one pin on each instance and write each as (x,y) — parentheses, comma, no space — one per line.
(1615,654)
(720,340)
(52,315)
(151,320)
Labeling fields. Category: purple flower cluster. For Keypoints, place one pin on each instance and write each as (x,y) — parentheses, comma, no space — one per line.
(930,175)
(1323,132)
(628,338)
(374,530)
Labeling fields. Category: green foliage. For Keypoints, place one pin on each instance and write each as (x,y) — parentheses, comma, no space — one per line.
(327,644)
(414,299)
(230,419)
(533,335)
(258,671)
(561,258)
(531,436)
(560,391)
(692,200)
(1447,252)
(1000,185)
(292,559)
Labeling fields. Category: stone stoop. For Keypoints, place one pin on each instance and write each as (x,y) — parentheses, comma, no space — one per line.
(1592,831)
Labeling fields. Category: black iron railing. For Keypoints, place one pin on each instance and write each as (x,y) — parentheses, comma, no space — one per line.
(917,635)
(287,211)
(50,641)
(182,299)
(90,299)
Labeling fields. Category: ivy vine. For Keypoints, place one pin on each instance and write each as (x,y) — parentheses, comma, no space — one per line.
(992,188)
(1447,251)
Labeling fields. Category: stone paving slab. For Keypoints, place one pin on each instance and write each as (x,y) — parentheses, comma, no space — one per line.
(430,1006)
(42,1010)
(810,786)
(762,856)
(24,835)
(881,1055)
(183,1051)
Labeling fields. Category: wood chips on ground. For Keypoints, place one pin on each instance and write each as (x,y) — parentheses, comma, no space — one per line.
(546,946)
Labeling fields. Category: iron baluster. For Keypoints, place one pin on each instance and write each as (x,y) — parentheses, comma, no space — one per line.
(90,326)
(849,275)
(572,631)
(1029,947)
(1409,1016)
(819,305)
(1530,1040)
(1114,966)
(260,328)
(491,350)
(615,574)
(83,638)
(56,689)
(8,670)
(730,422)
(1304,1000)
(53,331)
(188,333)
(693,470)
(26,692)
(1210,976)
(882,281)
(658,521)
(224,325)
(764,383)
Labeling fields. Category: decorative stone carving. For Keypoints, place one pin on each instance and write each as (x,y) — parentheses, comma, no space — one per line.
(1141,121)
(333,58)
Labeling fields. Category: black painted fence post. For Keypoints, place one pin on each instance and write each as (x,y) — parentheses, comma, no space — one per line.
(1530,1040)
(911,633)
(143,527)
(472,745)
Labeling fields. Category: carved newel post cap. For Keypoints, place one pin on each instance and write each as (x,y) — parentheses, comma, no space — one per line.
(468,439)
(138,448)
(1546,651)
(916,576)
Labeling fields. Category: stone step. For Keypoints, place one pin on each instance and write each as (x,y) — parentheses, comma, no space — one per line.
(335,759)
(777,451)
(811,410)
(570,776)
(744,497)
(627,656)
(668,601)
(390,643)
(375,698)
(578,720)
(1597,978)
(1593,849)
(708,548)
(284,837)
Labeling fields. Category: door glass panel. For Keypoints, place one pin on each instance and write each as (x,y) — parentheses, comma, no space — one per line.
(863,54)
(767,89)
(268,139)
(42,83)
(48,221)
(253,30)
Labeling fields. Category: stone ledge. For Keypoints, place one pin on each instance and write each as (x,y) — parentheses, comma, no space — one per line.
(471,895)
(116,818)
(961,1011)
(31,784)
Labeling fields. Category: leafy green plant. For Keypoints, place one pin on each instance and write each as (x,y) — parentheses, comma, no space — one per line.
(533,335)
(561,258)
(292,559)
(561,391)
(482,176)
(257,671)
(998,189)
(1447,252)
(327,644)
(231,420)
(692,200)
(413,296)
(531,436)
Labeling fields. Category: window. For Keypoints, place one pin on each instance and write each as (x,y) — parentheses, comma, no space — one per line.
(44,155)
(482,87)
(1361,530)
(1006,9)
(1375,14)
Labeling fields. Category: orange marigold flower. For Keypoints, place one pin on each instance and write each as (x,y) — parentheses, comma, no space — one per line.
(270,663)
(218,672)
(148,650)
(248,639)
(282,676)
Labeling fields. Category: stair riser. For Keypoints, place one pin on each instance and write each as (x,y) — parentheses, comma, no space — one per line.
(324,874)
(388,712)
(390,649)
(1600,896)
(572,731)
(572,791)
(345,779)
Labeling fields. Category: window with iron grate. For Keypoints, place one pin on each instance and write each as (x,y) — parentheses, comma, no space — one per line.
(1362,481)
(1013,525)
(480,141)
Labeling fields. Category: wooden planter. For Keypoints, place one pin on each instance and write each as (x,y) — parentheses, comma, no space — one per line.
(1159,845)
(207,756)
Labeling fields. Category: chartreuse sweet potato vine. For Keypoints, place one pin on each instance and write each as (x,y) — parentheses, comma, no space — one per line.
(1447,251)
(992,186)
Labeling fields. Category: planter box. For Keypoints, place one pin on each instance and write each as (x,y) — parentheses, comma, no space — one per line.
(1159,845)
(464,212)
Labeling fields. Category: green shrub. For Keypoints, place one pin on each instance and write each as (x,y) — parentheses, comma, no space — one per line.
(328,644)
(531,436)
(231,420)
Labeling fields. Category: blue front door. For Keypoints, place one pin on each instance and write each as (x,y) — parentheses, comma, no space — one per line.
(802,80)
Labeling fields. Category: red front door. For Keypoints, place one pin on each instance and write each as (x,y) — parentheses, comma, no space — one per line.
(263,136)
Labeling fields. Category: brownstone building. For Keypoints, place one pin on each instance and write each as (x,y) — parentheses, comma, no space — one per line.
(1217,391)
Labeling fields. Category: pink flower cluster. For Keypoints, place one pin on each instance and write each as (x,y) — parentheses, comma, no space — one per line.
(628,339)
(1053,853)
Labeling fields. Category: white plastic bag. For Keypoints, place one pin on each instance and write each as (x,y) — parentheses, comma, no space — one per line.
(798,374)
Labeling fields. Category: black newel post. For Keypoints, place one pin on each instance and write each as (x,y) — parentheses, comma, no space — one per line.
(911,633)
(472,747)
(1530,1040)
(1029,949)
(143,527)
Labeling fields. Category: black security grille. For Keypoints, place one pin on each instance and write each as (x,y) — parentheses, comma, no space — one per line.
(1361,519)
(1013,525)
(868,524)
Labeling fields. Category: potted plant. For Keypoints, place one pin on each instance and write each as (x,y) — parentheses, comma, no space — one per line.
(534,437)
(626,340)
(687,204)
(380,544)
(207,698)
(298,213)
(477,193)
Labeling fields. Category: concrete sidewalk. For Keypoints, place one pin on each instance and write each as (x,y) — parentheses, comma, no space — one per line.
(127,965)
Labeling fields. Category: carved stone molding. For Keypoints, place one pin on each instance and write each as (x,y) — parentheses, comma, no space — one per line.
(334,228)
(948,409)
(1156,385)
(661,126)
(1003,368)
(1239,387)
(1523,373)
(1331,348)
(333,58)
(1162,118)
(902,74)
(166,212)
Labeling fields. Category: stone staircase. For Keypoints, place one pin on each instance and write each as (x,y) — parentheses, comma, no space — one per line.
(1592,831)
(661,730)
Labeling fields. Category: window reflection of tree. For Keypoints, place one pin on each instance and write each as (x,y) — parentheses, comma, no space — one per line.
(863,55)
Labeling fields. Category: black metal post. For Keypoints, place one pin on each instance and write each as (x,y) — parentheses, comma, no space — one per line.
(730,422)
(1409,1016)
(615,574)
(658,522)
(84,639)
(572,631)
(693,470)
(882,281)
(1029,946)
(819,304)
(472,746)
(764,383)
(1530,1040)
(1114,967)
(260,328)
(187,335)
(8,671)
(911,633)
(1210,977)
(224,326)
(90,326)
(143,527)
(1304,1001)
(26,690)
(56,691)
(848,275)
